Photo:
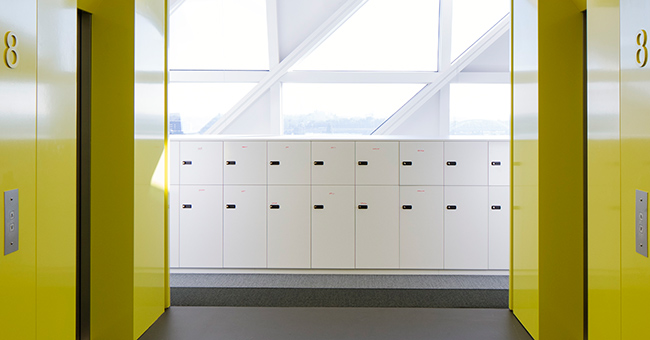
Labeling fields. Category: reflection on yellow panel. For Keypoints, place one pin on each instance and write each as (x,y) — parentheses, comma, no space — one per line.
(17,167)
(56,170)
(604,173)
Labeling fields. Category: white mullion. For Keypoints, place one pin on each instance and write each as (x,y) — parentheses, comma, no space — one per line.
(275,91)
(444,62)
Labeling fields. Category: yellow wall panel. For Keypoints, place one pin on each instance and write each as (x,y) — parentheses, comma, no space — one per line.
(18,169)
(604,172)
(635,166)
(149,256)
(56,170)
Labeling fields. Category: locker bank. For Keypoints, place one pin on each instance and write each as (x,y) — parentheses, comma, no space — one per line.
(84,140)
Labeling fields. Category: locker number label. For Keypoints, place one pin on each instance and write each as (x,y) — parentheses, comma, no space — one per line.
(11,50)
(642,51)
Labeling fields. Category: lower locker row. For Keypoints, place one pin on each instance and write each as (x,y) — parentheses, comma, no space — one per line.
(388,227)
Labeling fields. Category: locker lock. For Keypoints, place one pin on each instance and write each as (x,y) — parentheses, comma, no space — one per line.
(407,207)
(231,162)
(231,206)
(319,163)
(451,207)
(187,162)
(363,163)
(319,206)
(363,206)
(275,163)
(407,163)
(186,206)
(496,163)
(275,206)
(496,207)
(451,163)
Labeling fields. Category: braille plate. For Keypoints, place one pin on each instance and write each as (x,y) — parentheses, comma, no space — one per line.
(11,221)
(641,225)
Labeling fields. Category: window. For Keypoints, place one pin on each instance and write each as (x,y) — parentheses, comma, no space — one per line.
(471,19)
(193,107)
(384,35)
(202,35)
(341,108)
(479,109)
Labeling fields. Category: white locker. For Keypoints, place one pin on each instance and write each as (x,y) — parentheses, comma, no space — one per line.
(289,227)
(332,163)
(200,163)
(244,226)
(174,163)
(466,227)
(289,163)
(421,227)
(499,163)
(332,225)
(377,231)
(421,163)
(174,225)
(377,163)
(466,163)
(244,163)
(200,226)
(499,228)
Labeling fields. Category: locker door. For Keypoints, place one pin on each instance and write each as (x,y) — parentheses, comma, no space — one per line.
(466,227)
(289,227)
(174,225)
(244,227)
(499,228)
(332,163)
(244,163)
(332,225)
(200,163)
(200,226)
(174,162)
(466,163)
(288,163)
(377,163)
(499,163)
(421,163)
(377,232)
(421,227)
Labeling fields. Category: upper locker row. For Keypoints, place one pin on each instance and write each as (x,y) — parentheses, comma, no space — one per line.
(339,163)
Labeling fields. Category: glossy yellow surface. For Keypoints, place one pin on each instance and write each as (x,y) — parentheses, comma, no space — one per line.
(127,182)
(547,274)
(561,171)
(56,171)
(604,174)
(525,271)
(149,242)
(635,169)
(18,170)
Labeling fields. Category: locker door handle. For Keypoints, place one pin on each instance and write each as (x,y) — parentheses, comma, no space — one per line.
(319,163)
(451,207)
(275,163)
(496,163)
(187,162)
(186,206)
(363,163)
(363,206)
(407,163)
(231,206)
(275,206)
(496,207)
(451,163)
(407,207)
(231,162)
(319,207)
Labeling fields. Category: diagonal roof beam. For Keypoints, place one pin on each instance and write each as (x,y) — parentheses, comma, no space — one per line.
(276,73)
(443,78)
(174,5)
